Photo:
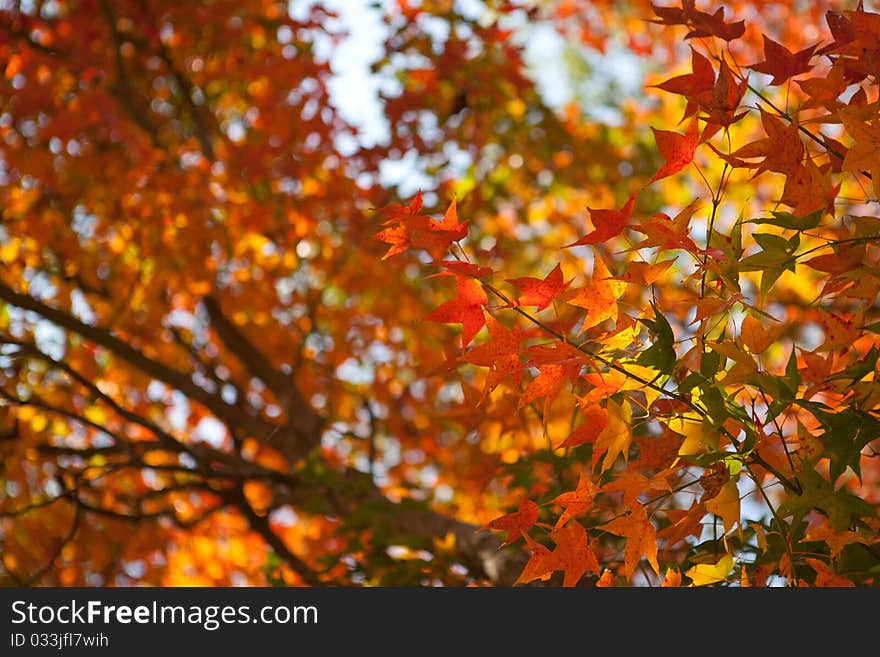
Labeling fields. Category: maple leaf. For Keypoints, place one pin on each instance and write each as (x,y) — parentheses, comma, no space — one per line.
(517,523)
(864,155)
(551,377)
(667,234)
(465,268)
(645,273)
(683,524)
(712,480)
(414,230)
(631,484)
(540,292)
(782,149)
(577,502)
(595,421)
(704,574)
(696,86)
(808,188)
(672,579)
(781,63)
(824,92)
(725,504)
(572,555)
(616,437)
(606,224)
(657,451)
(825,577)
(702,23)
(500,354)
(466,309)
(598,297)
(400,236)
(726,97)
(677,149)
(641,539)
(758,338)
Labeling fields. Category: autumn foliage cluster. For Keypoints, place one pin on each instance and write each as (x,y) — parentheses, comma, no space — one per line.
(635,346)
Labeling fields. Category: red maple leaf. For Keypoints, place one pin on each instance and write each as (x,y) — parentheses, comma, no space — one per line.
(540,292)
(701,23)
(464,268)
(781,63)
(607,224)
(518,523)
(465,309)
(697,86)
(572,555)
(677,149)
(726,97)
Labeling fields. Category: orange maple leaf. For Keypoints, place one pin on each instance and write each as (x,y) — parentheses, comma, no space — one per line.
(641,539)
(518,523)
(414,230)
(548,384)
(598,296)
(644,273)
(615,438)
(668,234)
(540,292)
(500,354)
(595,421)
(677,149)
(466,309)
(577,502)
(672,579)
(825,577)
(781,63)
(864,155)
(572,555)
(782,149)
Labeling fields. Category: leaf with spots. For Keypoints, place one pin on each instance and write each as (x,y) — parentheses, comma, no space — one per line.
(641,539)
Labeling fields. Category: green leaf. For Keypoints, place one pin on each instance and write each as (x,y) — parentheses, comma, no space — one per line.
(770,242)
(661,354)
(788,220)
(846,434)
(710,363)
(841,508)
(776,256)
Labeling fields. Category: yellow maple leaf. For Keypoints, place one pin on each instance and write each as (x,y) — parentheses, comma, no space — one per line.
(726,504)
(704,574)
(616,437)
